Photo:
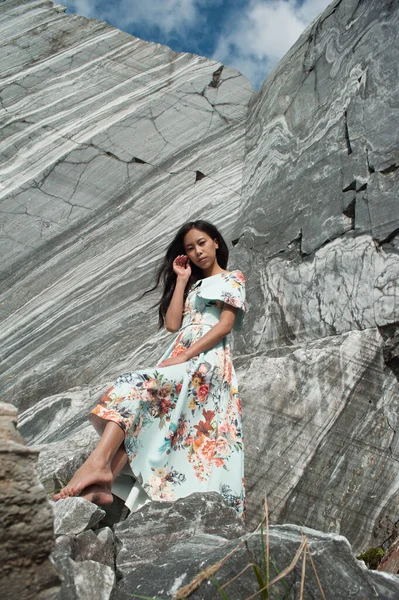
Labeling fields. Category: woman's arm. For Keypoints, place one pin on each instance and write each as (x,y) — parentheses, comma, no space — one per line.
(210,339)
(174,314)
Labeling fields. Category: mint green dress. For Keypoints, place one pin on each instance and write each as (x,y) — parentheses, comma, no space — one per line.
(182,424)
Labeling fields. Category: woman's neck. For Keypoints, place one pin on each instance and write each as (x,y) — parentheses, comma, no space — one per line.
(214,269)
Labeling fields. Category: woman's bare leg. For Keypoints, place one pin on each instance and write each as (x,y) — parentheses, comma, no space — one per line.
(101,494)
(97,470)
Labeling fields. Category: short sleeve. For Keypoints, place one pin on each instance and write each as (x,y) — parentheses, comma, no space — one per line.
(230,289)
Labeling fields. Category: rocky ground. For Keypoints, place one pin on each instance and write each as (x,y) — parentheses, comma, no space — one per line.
(184,549)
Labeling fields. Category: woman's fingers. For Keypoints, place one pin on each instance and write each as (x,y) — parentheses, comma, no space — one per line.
(181,260)
(181,266)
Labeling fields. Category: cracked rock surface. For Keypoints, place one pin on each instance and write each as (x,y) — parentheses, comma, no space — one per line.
(109,143)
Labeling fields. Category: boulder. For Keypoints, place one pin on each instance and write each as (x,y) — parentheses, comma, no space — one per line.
(320,421)
(164,574)
(83,580)
(157,526)
(317,236)
(26,522)
(98,546)
(74,515)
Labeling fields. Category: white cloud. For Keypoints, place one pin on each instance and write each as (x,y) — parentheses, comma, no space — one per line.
(170,16)
(256,37)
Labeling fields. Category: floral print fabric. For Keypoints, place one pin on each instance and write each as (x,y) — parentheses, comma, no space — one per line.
(182,423)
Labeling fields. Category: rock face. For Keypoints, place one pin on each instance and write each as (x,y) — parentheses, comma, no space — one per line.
(110,143)
(26,520)
(318,236)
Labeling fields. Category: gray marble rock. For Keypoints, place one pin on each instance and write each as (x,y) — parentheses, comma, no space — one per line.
(59,428)
(83,580)
(345,285)
(339,572)
(317,236)
(321,424)
(322,149)
(59,461)
(386,585)
(55,419)
(74,515)
(158,526)
(86,563)
(26,521)
(98,546)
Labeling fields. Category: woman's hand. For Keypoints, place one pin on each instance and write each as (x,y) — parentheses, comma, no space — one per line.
(181,267)
(174,360)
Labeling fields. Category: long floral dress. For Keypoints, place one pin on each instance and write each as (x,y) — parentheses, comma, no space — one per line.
(182,423)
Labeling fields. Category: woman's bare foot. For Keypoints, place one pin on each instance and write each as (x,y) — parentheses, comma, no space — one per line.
(98,494)
(92,472)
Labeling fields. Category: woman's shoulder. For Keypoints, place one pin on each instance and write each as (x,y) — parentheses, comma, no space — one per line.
(228,286)
(234,275)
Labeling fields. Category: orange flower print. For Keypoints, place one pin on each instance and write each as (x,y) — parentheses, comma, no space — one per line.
(202,393)
(206,452)
(203,369)
(198,442)
(165,390)
(178,349)
(240,276)
(228,370)
(189,441)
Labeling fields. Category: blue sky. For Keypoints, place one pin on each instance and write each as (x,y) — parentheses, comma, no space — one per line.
(251,35)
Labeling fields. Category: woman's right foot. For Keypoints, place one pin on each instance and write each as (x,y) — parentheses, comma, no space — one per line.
(92,472)
(98,494)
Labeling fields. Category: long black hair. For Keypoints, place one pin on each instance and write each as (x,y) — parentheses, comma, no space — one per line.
(167,277)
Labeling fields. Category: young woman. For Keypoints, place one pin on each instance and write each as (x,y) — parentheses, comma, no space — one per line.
(178,425)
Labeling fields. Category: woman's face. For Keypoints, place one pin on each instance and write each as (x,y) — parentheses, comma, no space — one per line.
(200,249)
